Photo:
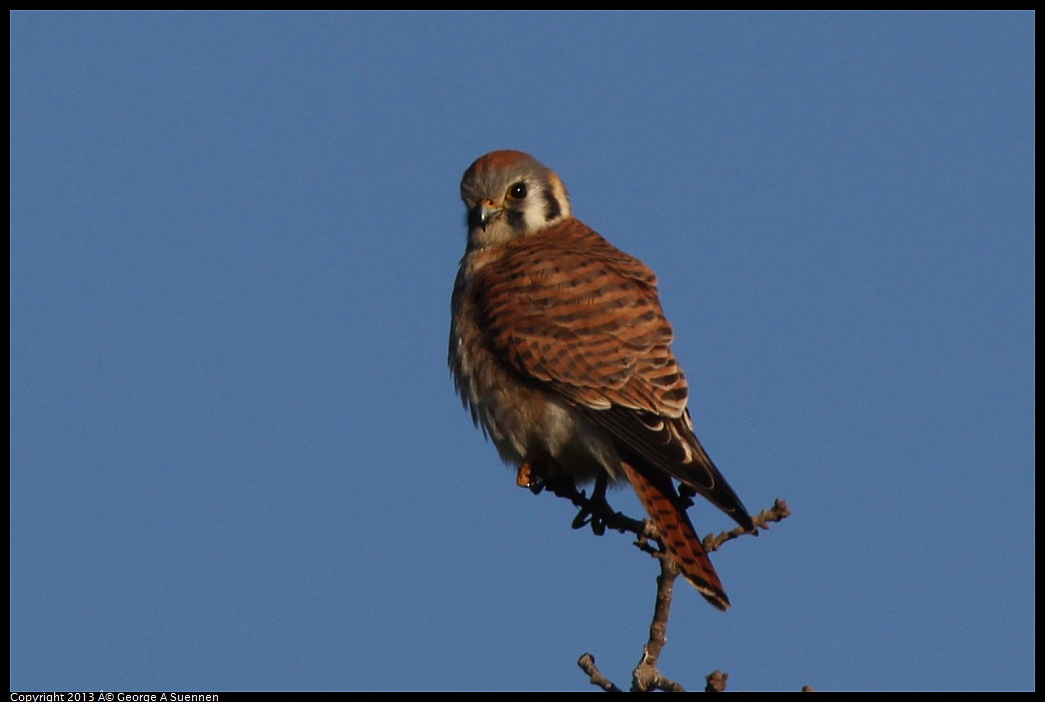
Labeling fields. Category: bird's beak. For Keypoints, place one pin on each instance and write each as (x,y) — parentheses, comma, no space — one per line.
(484,212)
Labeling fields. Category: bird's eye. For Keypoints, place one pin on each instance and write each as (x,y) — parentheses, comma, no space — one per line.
(517,191)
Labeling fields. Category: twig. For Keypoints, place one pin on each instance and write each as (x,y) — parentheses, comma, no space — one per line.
(587,664)
(778,512)
(716,681)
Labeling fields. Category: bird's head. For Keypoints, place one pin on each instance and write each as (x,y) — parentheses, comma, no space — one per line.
(509,195)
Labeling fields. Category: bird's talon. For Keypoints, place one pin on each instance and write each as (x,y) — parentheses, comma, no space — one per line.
(583,517)
(524,478)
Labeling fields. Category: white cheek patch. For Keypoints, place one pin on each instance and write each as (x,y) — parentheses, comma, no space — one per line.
(559,191)
(536,213)
(534,216)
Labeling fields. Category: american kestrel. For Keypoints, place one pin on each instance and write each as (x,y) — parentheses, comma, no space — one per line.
(560,350)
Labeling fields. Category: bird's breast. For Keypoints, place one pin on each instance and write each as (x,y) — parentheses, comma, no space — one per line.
(521,415)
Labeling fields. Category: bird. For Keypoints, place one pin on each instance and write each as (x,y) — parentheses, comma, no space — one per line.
(560,350)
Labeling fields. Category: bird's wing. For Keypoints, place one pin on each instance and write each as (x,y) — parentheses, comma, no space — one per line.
(567,310)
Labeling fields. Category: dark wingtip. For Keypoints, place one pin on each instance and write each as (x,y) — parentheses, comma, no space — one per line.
(718,600)
(744,519)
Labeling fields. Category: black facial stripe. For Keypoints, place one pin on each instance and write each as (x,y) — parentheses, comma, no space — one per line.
(552,210)
(516,219)
(473,218)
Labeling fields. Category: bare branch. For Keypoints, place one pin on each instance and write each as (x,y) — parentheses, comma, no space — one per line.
(778,512)
(596,512)
(647,675)
(587,664)
(716,681)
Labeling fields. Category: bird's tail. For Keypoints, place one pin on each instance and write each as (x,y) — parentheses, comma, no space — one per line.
(664,506)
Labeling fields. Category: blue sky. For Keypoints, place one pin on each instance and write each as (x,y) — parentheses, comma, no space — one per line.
(237,461)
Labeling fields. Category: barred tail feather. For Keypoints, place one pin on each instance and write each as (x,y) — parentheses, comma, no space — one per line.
(663,504)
